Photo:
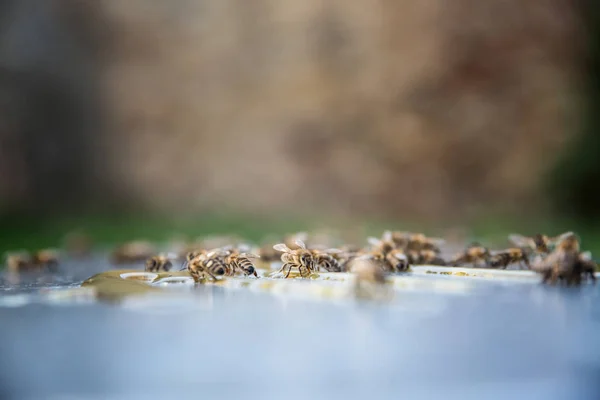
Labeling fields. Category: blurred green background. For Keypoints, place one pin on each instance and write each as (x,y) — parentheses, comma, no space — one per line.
(149,120)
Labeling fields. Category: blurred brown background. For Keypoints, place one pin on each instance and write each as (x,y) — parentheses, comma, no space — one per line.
(425,108)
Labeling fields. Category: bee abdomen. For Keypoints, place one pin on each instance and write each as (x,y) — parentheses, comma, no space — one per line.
(328,263)
(247,266)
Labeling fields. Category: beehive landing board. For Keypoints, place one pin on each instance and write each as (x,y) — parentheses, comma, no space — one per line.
(474,334)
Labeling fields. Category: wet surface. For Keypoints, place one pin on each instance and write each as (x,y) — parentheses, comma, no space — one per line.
(440,336)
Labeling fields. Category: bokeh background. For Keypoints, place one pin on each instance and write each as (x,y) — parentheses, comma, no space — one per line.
(151,117)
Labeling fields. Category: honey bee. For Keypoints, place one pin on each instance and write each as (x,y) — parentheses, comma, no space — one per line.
(563,263)
(158,263)
(369,280)
(301,258)
(134,251)
(326,259)
(367,271)
(46,258)
(540,243)
(420,242)
(344,255)
(400,239)
(566,263)
(475,254)
(397,261)
(383,245)
(202,264)
(237,261)
(430,257)
(501,259)
(385,253)
(19,261)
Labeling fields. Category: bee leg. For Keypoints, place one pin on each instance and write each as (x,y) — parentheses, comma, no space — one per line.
(212,276)
(289,269)
(306,272)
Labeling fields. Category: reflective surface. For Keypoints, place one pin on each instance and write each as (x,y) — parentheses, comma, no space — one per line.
(440,337)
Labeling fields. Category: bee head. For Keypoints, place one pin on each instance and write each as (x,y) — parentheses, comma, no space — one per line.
(306,259)
(151,263)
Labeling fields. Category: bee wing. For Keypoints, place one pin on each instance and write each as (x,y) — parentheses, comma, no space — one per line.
(586,256)
(300,243)
(282,247)
(387,235)
(332,251)
(373,241)
(561,237)
(520,240)
(249,255)
(216,252)
(541,264)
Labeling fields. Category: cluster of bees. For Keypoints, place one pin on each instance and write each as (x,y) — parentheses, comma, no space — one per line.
(45,259)
(557,259)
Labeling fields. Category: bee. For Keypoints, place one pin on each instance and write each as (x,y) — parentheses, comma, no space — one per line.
(344,255)
(430,257)
(501,259)
(383,245)
(46,258)
(397,261)
(369,280)
(418,241)
(563,263)
(19,261)
(566,263)
(367,271)
(540,243)
(159,263)
(474,254)
(240,261)
(301,258)
(385,253)
(134,251)
(202,264)
(326,259)
(400,239)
